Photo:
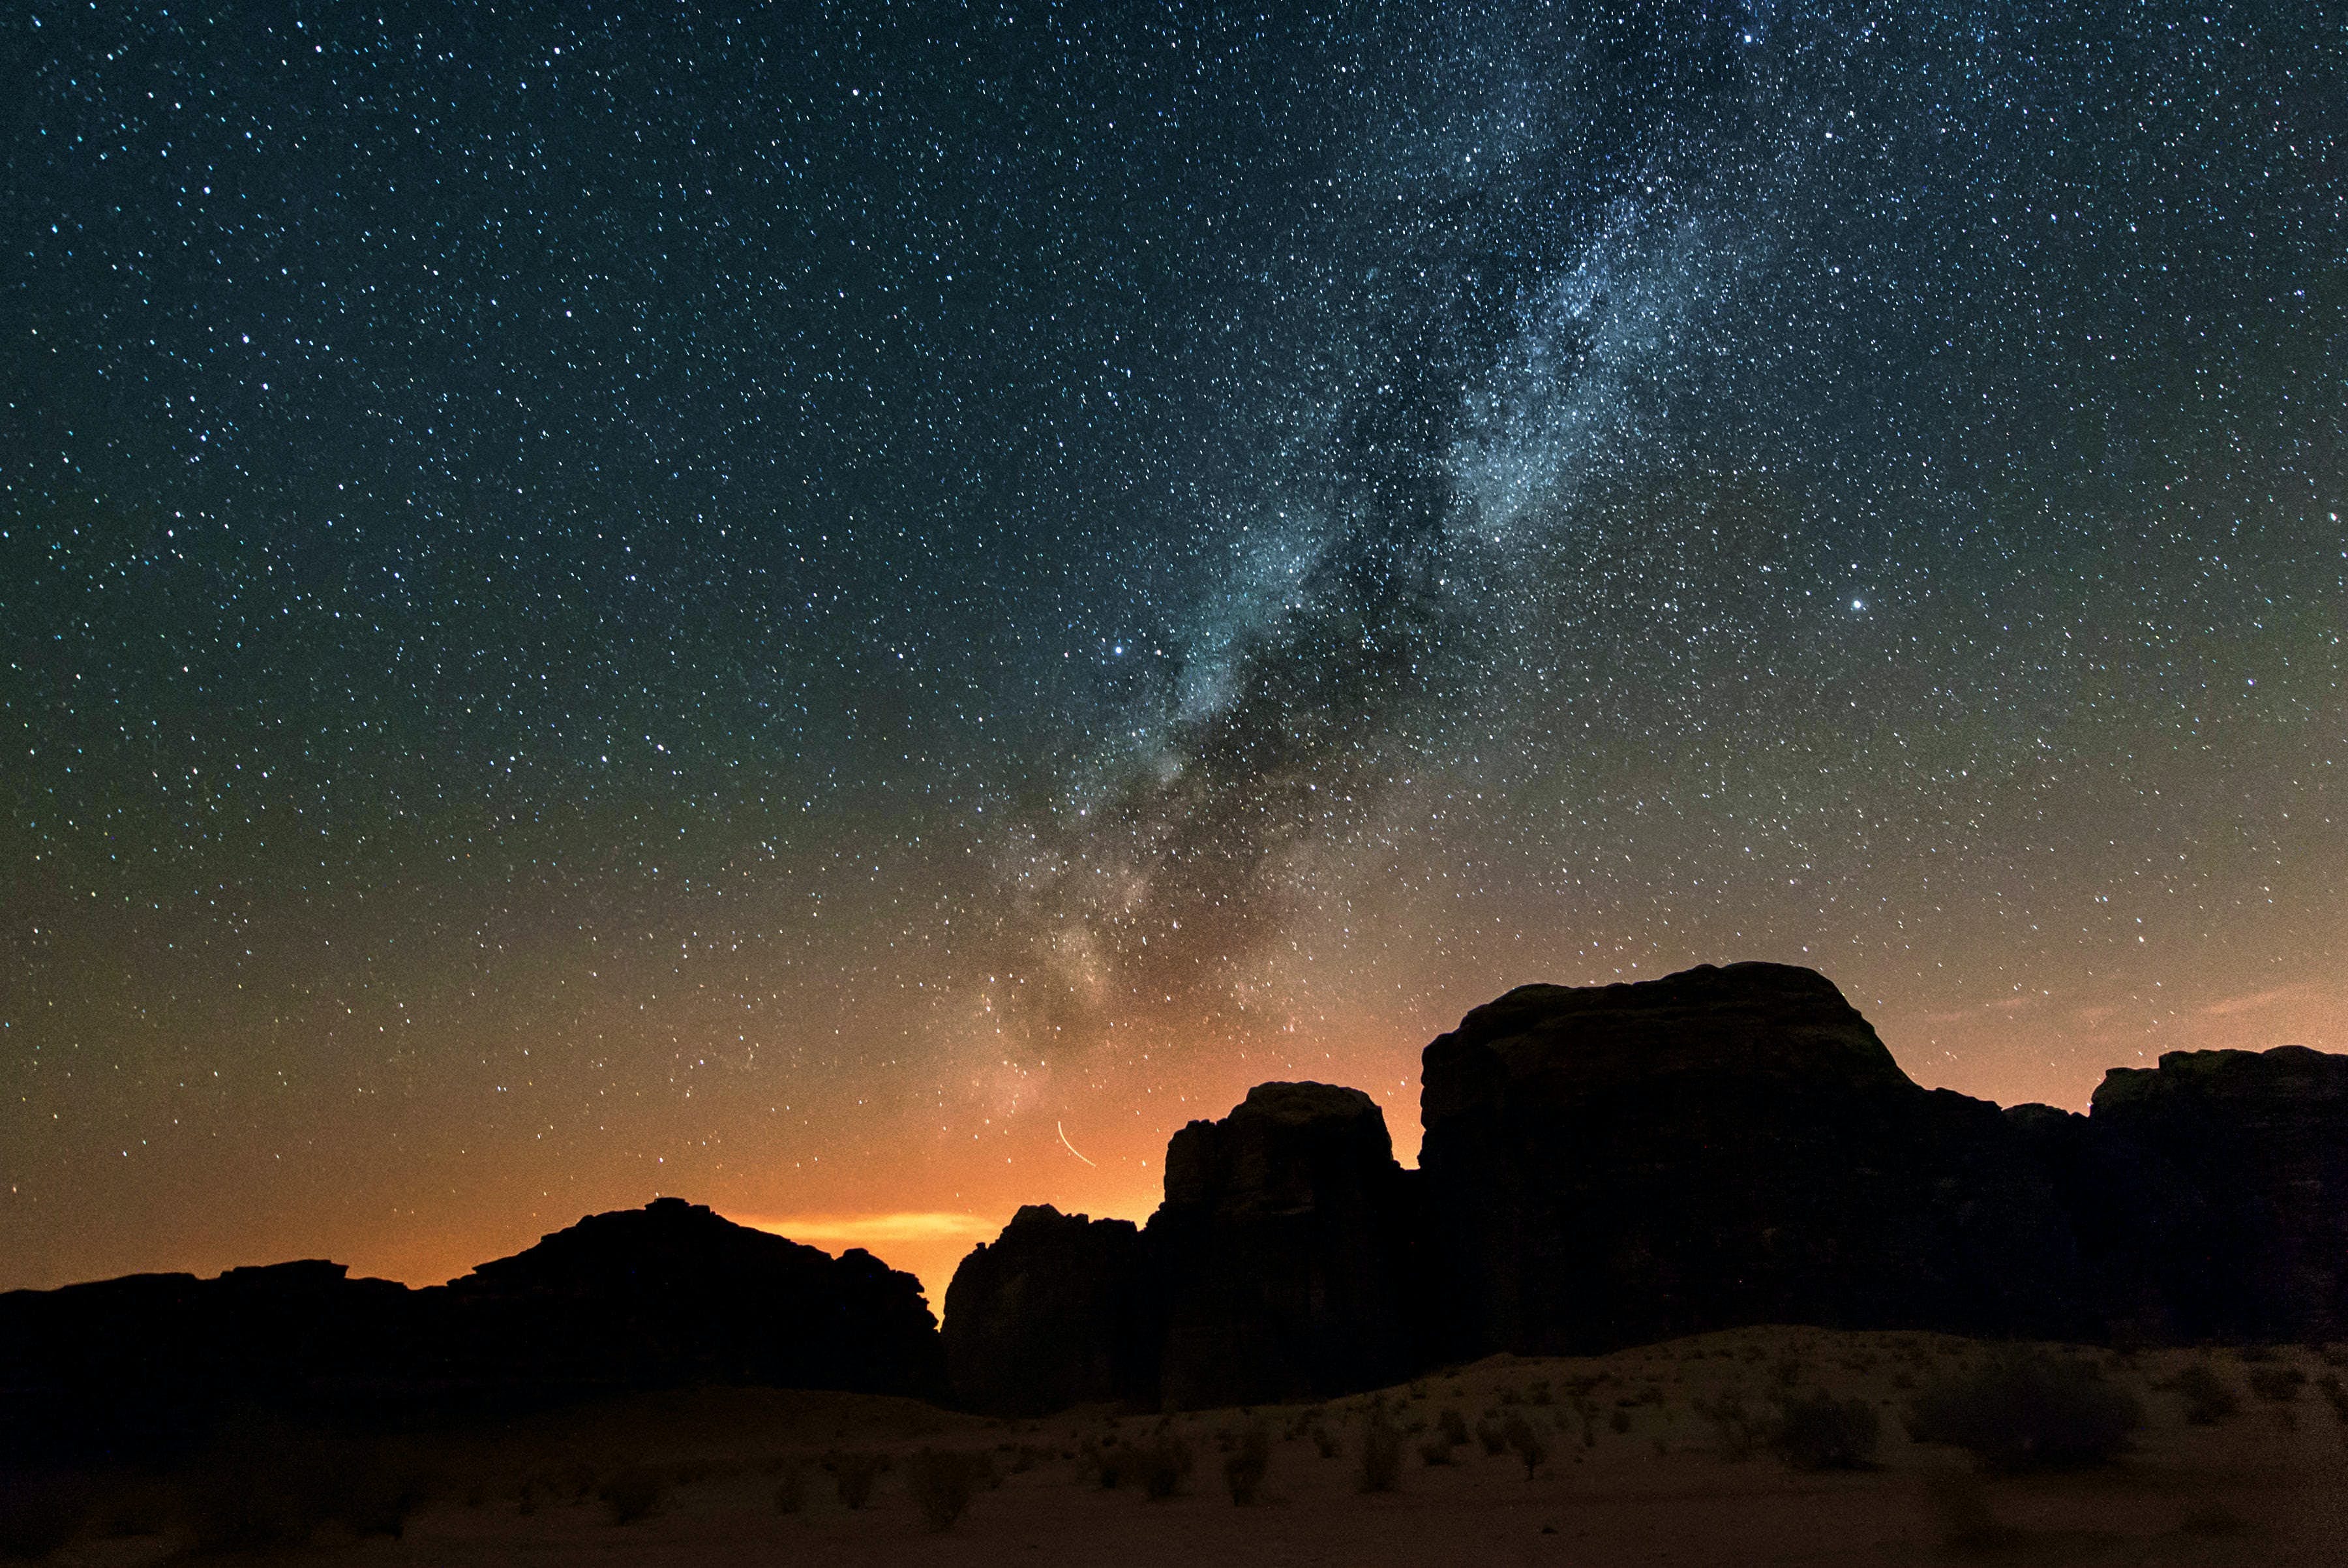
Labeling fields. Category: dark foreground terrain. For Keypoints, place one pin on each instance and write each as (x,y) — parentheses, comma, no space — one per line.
(1694,1450)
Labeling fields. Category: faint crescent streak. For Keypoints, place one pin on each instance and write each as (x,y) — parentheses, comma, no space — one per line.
(1068,1146)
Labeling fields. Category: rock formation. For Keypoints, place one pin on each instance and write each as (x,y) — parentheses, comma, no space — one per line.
(1601,1166)
(647,1298)
(1282,1251)
(1054,1311)
(672,1293)
(1612,1164)
(2222,1193)
(1620,1163)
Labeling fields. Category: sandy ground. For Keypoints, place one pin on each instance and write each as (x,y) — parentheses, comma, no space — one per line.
(1633,1473)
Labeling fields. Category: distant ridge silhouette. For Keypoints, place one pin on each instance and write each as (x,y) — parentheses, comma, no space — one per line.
(660,1296)
(1601,1166)
(1608,1165)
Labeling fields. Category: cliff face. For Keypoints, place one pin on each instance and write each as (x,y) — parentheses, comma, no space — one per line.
(1620,1163)
(1601,1166)
(647,1298)
(2220,1198)
(1624,1162)
(672,1292)
(1056,1311)
(1274,1269)
(1281,1249)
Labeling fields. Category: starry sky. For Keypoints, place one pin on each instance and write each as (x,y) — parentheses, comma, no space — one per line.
(854,610)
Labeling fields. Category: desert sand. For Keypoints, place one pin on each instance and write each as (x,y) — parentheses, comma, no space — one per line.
(1637,1466)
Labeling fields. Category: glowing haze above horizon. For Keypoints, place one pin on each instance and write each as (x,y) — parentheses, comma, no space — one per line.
(854,615)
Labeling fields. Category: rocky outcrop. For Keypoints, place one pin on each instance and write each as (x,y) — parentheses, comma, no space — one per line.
(672,1292)
(1059,1310)
(1277,1268)
(1614,1164)
(1619,1163)
(1281,1249)
(655,1297)
(2218,1202)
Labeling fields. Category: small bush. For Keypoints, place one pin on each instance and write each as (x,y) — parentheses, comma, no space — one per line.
(1819,1432)
(1524,1443)
(1381,1453)
(854,1475)
(2334,1394)
(1740,1429)
(1113,1463)
(1165,1463)
(2207,1397)
(634,1493)
(2278,1385)
(942,1480)
(790,1487)
(1454,1427)
(1244,1465)
(1326,1442)
(2028,1413)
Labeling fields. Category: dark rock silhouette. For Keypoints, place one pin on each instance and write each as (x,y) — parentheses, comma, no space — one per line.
(1056,1311)
(656,1297)
(1601,1166)
(672,1293)
(2219,1195)
(1621,1163)
(1611,1164)
(1281,1250)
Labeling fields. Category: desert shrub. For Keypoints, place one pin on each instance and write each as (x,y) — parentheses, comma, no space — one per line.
(1381,1453)
(1113,1463)
(1493,1436)
(39,1513)
(1740,1430)
(942,1482)
(636,1492)
(1538,1394)
(790,1487)
(1244,1465)
(2277,1385)
(2207,1397)
(1620,1421)
(854,1475)
(1325,1441)
(2334,1394)
(1436,1450)
(1818,1431)
(1165,1463)
(1788,1371)
(1524,1443)
(2027,1413)
(1453,1426)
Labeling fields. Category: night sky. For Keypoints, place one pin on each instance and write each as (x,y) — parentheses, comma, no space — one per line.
(854,614)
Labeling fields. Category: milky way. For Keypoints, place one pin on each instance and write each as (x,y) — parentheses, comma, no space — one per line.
(817,611)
